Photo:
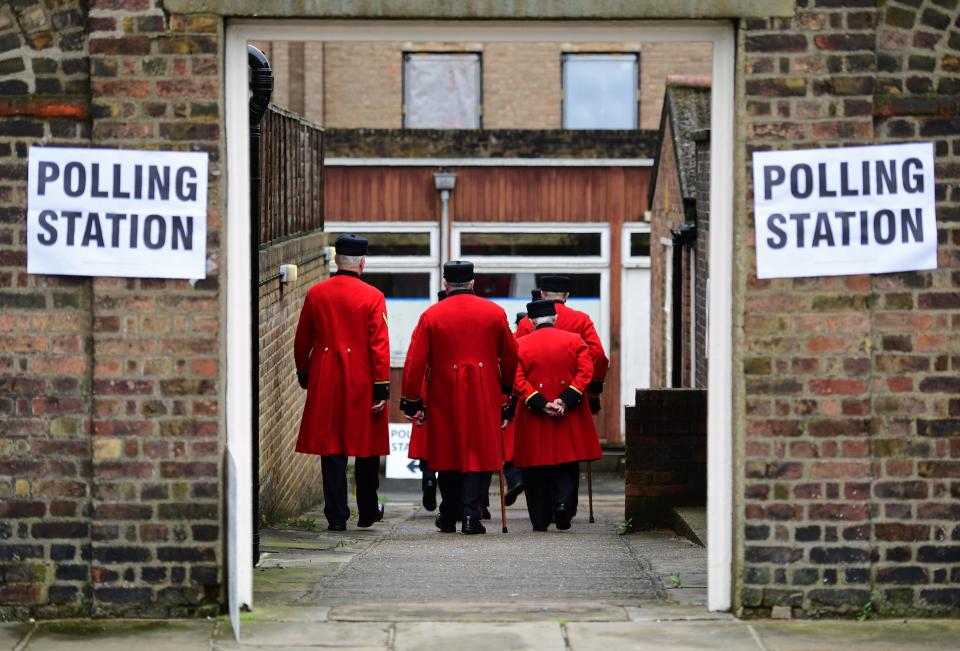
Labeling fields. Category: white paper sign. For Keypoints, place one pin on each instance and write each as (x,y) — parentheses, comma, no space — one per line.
(399,465)
(852,210)
(111,212)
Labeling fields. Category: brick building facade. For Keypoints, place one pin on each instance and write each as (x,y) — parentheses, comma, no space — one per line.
(846,450)
(360,84)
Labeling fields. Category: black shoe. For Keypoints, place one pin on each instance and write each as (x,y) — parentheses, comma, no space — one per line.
(363,524)
(484,513)
(562,517)
(512,494)
(430,495)
(445,525)
(336,526)
(540,529)
(471,525)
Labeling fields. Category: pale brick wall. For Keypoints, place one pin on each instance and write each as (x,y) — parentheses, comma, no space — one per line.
(659,60)
(363,85)
(521,81)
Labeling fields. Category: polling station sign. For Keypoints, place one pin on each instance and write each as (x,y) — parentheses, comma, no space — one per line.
(399,465)
(852,210)
(111,212)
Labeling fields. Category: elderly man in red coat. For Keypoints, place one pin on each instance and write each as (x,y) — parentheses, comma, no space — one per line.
(342,353)
(555,431)
(557,289)
(464,346)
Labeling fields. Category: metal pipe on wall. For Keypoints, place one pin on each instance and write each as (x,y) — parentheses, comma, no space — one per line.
(261,88)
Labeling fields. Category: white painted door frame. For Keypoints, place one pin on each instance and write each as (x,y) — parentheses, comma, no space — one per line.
(237,263)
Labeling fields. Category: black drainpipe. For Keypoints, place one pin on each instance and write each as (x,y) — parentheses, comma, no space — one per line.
(261,87)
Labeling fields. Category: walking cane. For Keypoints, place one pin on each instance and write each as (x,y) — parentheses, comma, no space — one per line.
(503,504)
(590,488)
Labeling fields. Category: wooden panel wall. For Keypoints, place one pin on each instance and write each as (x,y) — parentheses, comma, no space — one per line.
(611,195)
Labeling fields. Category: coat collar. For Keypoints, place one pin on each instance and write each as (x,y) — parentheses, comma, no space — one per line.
(347,272)
(544,325)
(460,291)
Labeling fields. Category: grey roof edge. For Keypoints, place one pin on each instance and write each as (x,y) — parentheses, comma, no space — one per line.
(488,9)
(683,131)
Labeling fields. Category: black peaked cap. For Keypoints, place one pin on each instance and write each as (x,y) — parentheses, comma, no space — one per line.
(555,284)
(537,309)
(348,244)
(458,271)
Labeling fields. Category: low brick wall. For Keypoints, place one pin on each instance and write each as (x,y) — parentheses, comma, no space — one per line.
(289,482)
(666,461)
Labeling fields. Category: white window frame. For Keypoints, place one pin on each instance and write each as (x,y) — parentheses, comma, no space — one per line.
(395,263)
(598,264)
(634,261)
(667,308)
(535,262)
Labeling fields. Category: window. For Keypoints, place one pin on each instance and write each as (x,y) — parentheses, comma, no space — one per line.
(636,244)
(600,91)
(441,91)
(510,259)
(402,262)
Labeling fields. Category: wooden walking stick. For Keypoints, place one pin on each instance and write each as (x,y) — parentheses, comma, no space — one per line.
(590,488)
(503,504)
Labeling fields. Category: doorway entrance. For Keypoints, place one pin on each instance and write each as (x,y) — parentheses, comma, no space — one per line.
(239,390)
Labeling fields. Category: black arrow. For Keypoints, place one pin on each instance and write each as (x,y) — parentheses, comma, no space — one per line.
(412,466)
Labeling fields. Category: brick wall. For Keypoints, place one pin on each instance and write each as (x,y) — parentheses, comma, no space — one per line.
(109,388)
(361,84)
(851,414)
(289,482)
(666,213)
(702,253)
(666,454)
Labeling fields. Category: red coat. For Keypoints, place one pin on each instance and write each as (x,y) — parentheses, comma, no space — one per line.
(551,360)
(342,343)
(579,322)
(464,348)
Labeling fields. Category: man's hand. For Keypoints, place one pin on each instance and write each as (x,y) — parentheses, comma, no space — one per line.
(378,407)
(417,417)
(554,408)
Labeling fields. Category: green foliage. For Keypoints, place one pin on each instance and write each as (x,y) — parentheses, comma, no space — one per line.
(866,613)
(675,581)
(625,527)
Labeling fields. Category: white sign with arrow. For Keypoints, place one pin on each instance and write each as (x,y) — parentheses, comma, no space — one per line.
(399,465)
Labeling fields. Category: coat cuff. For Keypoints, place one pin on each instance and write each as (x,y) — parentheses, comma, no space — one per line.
(381,391)
(509,408)
(411,407)
(595,387)
(536,402)
(302,379)
(594,401)
(571,397)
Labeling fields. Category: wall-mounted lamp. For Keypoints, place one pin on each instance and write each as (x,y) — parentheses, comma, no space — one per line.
(444,182)
(288,273)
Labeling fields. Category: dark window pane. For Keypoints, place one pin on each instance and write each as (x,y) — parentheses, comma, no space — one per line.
(640,244)
(530,244)
(400,285)
(394,244)
(518,285)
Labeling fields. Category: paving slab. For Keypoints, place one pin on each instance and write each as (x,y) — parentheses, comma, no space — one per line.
(11,634)
(874,635)
(121,635)
(488,612)
(661,636)
(304,634)
(541,636)
(285,613)
(667,612)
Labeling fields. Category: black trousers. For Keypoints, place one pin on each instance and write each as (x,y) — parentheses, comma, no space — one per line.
(462,493)
(512,476)
(547,487)
(426,475)
(335,491)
